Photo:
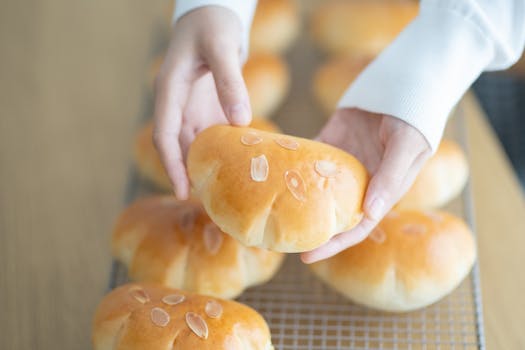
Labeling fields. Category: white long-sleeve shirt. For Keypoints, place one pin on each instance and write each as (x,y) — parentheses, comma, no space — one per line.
(425,71)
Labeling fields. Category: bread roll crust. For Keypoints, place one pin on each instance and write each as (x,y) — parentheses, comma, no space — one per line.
(148,161)
(267,81)
(296,208)
(412,259)
(124,322)
(334,76)
(441,179)
(275,26)
(360,27)
(175,243)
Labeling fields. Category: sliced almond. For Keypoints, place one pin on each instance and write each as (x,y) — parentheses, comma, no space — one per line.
(251,138)
(212,237)
(378,235)
(414,229)
(139,294)
(287,143)
(213,309)
(197,325)
(325,168)
(295,184)
(159,317)
(259,168)
(173,299)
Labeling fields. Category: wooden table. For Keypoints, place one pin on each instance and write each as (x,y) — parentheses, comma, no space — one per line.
(71,88)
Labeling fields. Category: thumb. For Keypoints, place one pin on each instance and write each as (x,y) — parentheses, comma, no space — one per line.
(399,166)
(231,89)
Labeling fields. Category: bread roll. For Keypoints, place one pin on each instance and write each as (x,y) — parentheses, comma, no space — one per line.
(275,26)
(441,179)
(175,243)
(148,161)
(411,260)
(152,317)
(275,191)
(267,80)
(333,78)
(360,27)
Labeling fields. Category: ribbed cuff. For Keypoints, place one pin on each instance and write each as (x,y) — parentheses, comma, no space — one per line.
(422,75)
(244,9)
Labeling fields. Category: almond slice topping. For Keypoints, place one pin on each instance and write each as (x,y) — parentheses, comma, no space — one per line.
(139,294)
(251,138)
(259,168)
(295,184)
(414,229)
(212,237)
(213,309)
(378,235)
(173,299)
(325,168)
(287,143)
(197,325)
(159,317)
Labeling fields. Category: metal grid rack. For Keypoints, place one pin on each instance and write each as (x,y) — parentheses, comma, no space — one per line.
(305,314)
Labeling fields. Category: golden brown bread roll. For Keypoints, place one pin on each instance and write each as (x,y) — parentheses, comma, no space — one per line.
(175,243)
(333,78)
(267,80)
(148,161)
(152,317)
(360,27)
(412,259)
(275,26)
(441,179)
(275,191)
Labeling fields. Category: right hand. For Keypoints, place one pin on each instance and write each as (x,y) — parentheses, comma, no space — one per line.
(200,84)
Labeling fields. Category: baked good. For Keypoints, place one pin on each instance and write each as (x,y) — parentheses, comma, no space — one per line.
(148,161)
(275,26)
(411,260)
(153,317)
(333,78)
(267,80)
(174,243)
(360,27)
(441,179)
(275,191)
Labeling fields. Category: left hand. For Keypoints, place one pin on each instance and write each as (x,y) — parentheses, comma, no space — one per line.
(391,150)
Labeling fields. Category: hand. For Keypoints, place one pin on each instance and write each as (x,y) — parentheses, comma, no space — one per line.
(200,84)
(391,150)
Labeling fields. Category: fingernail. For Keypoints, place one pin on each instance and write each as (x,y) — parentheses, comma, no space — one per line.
(376,208)
(239,114)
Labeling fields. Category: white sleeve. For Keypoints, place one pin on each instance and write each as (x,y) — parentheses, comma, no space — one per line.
(425,71)
(244,9)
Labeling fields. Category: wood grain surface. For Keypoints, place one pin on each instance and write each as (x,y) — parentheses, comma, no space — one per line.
(72,82)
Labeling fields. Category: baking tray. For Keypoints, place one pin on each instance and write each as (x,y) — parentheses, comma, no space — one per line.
(301,311)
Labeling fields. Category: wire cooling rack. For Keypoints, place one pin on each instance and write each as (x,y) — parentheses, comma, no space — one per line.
(305,314)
